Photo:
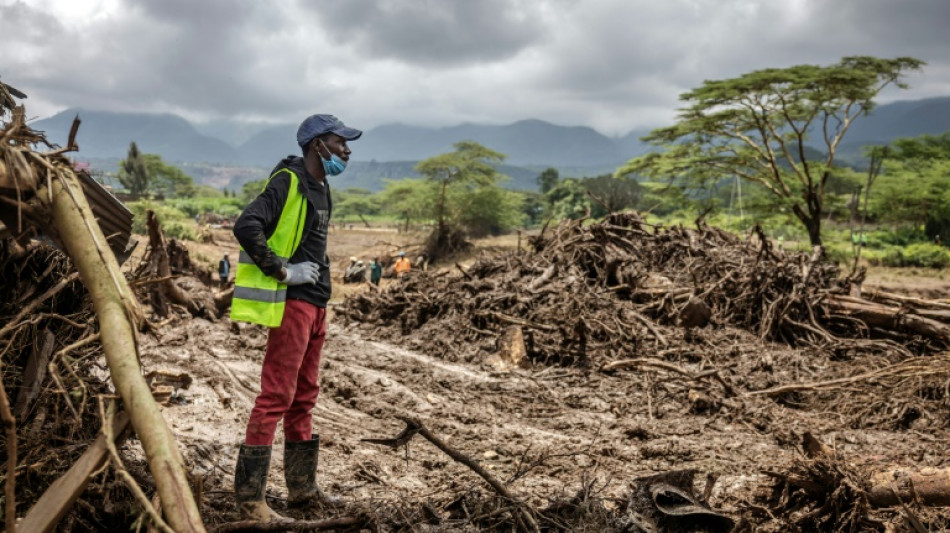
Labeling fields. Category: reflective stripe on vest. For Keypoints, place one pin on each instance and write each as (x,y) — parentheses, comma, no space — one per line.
(259,298)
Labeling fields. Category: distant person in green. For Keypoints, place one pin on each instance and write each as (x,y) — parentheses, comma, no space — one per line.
(859,239)
(375,271)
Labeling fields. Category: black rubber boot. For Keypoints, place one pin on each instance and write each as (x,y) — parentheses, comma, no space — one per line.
(300,472)
(250,480)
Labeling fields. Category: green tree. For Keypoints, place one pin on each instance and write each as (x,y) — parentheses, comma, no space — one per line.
(914,187)
(356,202)
(612,194)
(756,127)
(568,199)
(133,172)
(409,199)
(532,207)
(471,166)
(251,189)
(168,180)
(486,210)
(548,179)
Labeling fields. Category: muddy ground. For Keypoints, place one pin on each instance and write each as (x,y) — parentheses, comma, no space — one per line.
(549,432)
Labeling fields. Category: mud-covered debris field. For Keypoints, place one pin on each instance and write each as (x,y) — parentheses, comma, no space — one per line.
(615,377)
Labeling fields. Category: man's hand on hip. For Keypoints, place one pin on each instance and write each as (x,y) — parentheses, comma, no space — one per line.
(301,274)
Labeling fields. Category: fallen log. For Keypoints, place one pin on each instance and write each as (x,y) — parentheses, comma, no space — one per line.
(927,486)
(117,311)
(889,297)
(341,522)
(545,276)
(887,317)
(63,493)
(897,486)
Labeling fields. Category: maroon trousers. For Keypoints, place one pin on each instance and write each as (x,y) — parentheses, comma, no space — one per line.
(290,375)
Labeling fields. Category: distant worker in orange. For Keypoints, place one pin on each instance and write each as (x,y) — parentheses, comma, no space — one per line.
(402,265)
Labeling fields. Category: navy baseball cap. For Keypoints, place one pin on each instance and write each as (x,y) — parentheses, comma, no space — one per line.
(315,125)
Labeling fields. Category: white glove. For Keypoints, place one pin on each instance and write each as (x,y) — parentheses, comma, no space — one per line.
(302,273)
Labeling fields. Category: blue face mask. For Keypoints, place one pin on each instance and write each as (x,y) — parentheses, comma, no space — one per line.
(333,166)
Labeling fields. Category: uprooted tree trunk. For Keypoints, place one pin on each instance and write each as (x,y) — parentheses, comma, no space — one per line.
(47,183)
(166,290)
(826,492)
(113,302)
(929,486)
(888,318)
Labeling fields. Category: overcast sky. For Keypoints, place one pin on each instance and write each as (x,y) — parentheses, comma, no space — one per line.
(614,65)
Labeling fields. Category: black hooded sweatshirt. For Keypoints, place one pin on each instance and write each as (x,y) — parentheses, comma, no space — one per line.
(259,220)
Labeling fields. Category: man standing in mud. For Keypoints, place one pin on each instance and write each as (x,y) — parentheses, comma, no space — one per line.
(283,282)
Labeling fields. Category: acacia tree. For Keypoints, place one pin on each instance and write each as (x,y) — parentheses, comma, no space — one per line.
(471,165)
(133,172)
(356,201)
(757,127)
(612,194)
(407,198)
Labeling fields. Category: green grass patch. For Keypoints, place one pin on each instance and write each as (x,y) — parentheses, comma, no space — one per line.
(173,221)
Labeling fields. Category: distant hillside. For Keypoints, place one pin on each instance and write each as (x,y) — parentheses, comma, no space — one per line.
(930,116)
(527,142)
(390,151)
(105,134)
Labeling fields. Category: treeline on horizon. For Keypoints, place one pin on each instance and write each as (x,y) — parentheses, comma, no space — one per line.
(736,157)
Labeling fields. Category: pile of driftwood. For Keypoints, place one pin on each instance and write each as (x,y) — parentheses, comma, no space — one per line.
(41,194)
(621,287)
(714,311)
(51,355)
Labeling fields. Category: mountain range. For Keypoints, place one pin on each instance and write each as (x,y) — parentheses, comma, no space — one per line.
(389,151)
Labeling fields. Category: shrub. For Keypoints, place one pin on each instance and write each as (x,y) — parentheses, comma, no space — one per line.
(926,255)
(218,205)
(180,229)
(903,236)
(839,252)
(174,222)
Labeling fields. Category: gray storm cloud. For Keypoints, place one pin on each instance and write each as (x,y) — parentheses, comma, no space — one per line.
(610,64)
(432,32)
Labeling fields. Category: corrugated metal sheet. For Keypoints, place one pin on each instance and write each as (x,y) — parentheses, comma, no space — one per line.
(113,216)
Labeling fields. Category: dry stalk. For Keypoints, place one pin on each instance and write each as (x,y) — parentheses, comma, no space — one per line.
(9,489)
(525,512)
(916,367)
(85,341)
(342,522)
(106,414)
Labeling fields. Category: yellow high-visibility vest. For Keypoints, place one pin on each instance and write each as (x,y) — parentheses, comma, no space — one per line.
(259,298)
